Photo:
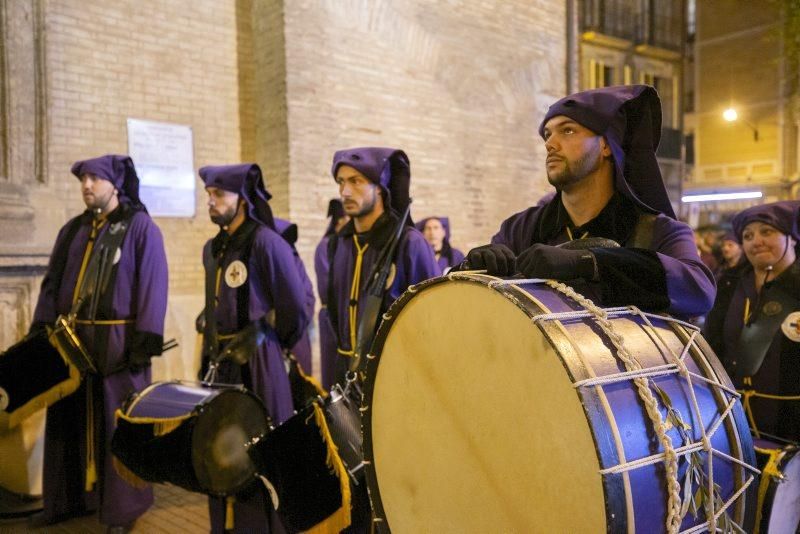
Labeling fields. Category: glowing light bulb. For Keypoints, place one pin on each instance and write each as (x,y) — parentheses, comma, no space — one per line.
(730,115)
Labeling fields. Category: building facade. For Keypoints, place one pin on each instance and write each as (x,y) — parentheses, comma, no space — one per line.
(740,65)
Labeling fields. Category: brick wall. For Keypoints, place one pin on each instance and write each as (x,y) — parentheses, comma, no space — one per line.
(170,61)
(460,85)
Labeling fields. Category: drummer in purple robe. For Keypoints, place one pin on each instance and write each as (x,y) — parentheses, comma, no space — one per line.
(256,308)
(601,160)
(754,326)
(301,349)
(436,231)
(327,337)
(374,188)
(122,329)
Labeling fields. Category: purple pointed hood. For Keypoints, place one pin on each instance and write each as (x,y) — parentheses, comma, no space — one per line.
(246,180)
(629,117)
(287,230)
(335,212)
(117,169)
(388,168)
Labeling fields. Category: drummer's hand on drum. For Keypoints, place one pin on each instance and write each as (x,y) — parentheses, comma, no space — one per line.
(545,261)
(498,260)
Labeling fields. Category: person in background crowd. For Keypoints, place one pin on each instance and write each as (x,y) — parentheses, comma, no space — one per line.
(733,259)
(707,239)
(327,337)
(437,233)
(301,349)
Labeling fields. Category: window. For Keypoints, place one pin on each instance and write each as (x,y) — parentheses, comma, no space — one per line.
(600,74)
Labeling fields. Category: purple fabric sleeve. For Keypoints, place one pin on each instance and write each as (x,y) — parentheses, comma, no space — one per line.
(153,278)
(277,272)
(690,284)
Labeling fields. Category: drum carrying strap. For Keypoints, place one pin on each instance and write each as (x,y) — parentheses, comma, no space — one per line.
(756,337)
(213,273)
(97,275)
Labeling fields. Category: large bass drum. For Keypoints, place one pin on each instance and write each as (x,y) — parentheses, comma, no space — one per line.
(497,405)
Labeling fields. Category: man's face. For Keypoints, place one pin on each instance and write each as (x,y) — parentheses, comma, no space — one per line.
(731,251)
(764,245)
(573,151)
(434,233)
(222,205)
(359,195)
(97,192)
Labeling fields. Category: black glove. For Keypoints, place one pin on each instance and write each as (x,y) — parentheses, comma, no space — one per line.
(498,260)
(545,261)
(138,361)
(244,344)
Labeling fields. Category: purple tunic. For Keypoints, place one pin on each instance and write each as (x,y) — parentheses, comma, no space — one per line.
(664,273)
(301,349)
(446,263)
(415,263)
(273,285)
(140,296)
(327,337)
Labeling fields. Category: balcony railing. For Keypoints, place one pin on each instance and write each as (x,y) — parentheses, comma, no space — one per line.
(648,22)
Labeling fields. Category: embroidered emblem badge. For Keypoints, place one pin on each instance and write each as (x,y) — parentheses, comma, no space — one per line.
(236,274)
(772,308)
(791,326)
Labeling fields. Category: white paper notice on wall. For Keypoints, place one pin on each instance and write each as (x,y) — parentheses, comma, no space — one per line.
(164,158)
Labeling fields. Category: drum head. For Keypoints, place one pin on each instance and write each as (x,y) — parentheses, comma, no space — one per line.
(222,435)
(473,423)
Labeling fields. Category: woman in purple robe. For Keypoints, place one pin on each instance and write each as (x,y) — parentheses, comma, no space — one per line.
(327,337)
(754,326)
(256,308)
(436,231)
(601,159)
(301,349)
(78,473)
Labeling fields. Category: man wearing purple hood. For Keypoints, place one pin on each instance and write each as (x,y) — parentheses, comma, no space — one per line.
(436,231)
(122,327)
(754,326)
(255,310)
(601,159)
(374,188)
(327,337)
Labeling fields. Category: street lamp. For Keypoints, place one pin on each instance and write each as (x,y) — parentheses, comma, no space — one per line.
(731,115)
